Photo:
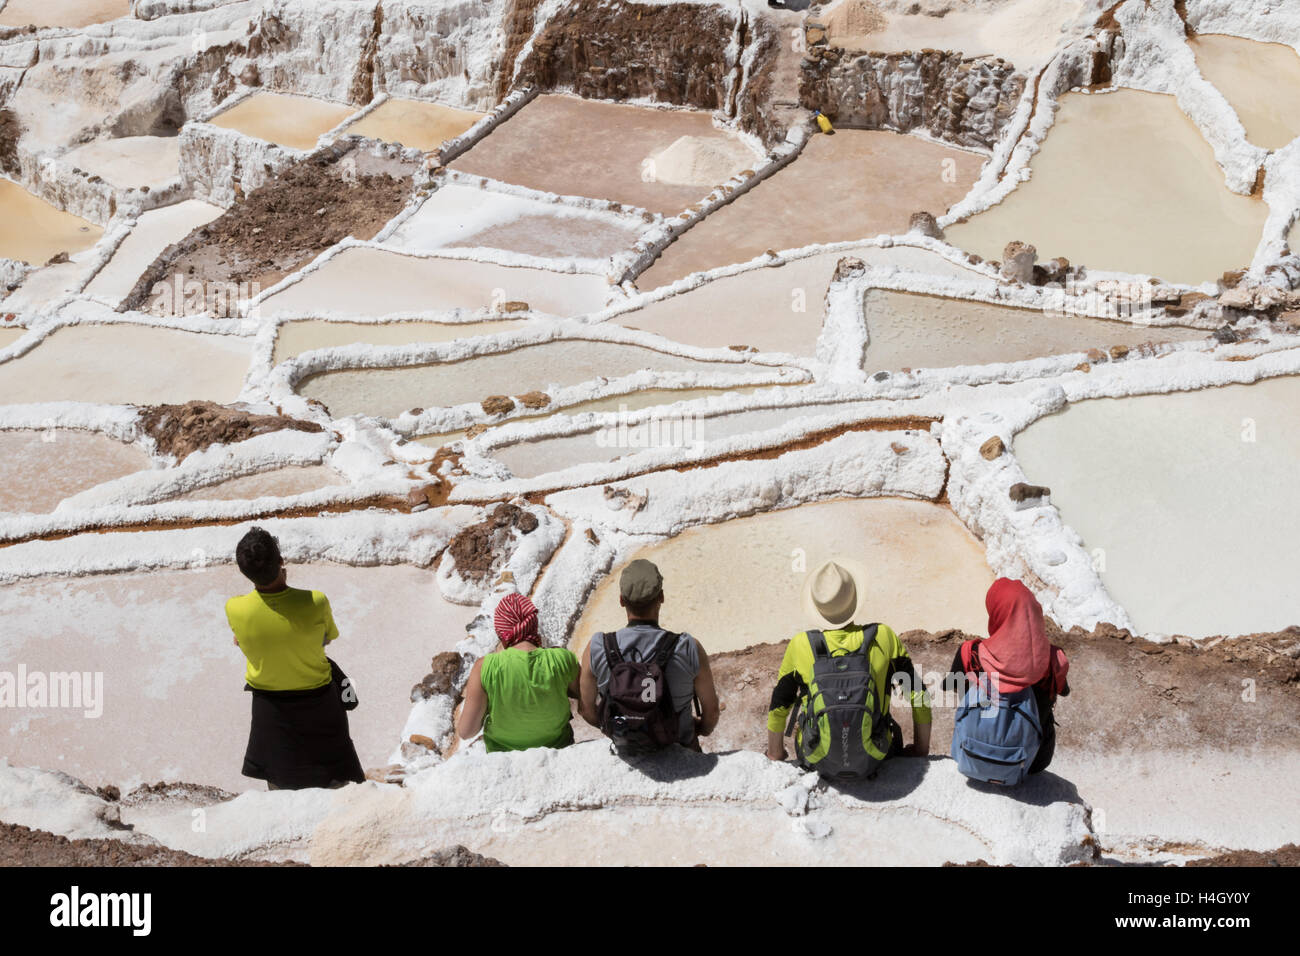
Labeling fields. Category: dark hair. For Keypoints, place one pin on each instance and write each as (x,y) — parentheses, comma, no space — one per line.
(646,609)
(258,556)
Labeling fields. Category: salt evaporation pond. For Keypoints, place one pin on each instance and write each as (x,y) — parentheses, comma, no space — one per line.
(374,282)
(922,331)
(388,392)
(1186,497)
(62,13)
(574,147)
(772,309)
(1124,182)
(854,185)
(127,365)
(153,233)
(285,119)
(414,124)
(38,469)
(1251,76)
(8,336)
(130,162)
(467,217)
(294,338)
(927,571)
(173,704)
(33,231)
(670,429)
(280,483)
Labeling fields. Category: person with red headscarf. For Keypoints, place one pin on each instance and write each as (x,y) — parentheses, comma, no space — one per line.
(518,695)
(1016,655)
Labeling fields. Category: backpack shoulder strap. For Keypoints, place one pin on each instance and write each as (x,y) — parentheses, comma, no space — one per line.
(612,654)
(869,634)
(817,641)
(666,648)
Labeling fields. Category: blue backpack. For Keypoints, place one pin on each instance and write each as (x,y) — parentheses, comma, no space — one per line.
(995,739)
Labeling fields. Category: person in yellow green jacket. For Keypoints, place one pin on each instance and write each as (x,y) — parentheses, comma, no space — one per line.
(840,676)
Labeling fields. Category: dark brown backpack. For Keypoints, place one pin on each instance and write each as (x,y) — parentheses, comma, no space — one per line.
(636,711)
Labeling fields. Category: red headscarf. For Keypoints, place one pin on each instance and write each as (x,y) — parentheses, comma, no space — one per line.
(1017,651)
(515,620)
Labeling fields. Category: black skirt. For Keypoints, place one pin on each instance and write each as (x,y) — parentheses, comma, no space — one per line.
(300,739)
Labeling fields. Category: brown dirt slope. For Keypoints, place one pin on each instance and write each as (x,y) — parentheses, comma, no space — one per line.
(180,430)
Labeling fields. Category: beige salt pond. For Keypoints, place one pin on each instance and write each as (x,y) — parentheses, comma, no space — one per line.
(173,703)
(153,233)
(285,119)
(574,147)
(737,583)
(62,13)
(130,162)
(1184,498)
(1257,80)
(414,124)
(1124,182)
(854,185)
(10,335)
(33,231)
(294,338)
(921,331)
(388,392)
(280,483)
(375,282)
(38,469)
(126,364)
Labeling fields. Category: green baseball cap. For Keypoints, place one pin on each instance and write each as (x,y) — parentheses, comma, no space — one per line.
(640,582)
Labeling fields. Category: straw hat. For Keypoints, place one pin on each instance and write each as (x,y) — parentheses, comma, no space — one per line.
(832,592)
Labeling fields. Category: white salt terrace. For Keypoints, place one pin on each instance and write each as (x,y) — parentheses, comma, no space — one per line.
(297,337)
(38,469)
(283,118)
(33,231)
(172,707)
(130,162)
(388,392)
(62,13)
(671,428)
(153,233)
(575,147)
(921,331)
(374,282)
(1181,496)
(927,571)
(1124,182)
(1252,76)
(414,124)
(279,483)
(466,216)
(126,364)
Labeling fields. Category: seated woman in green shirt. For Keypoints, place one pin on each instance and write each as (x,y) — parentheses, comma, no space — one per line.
(519,695)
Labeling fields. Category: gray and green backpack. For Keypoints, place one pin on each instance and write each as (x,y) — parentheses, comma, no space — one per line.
(844,732)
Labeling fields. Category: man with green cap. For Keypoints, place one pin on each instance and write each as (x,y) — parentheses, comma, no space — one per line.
(643,645)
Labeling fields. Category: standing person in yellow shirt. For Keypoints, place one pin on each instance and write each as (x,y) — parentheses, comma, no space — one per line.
(299,735)
(840,679)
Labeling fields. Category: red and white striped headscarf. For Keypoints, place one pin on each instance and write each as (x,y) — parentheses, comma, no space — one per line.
(515,620)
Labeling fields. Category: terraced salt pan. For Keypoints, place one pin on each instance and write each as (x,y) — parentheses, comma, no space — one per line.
(921,331)
(1190,514)
(574,147)
(366,281)
(39,469)
(173,704)
(387,392)
(131,161)
(927,571)
(1124,182)
(281,483)
(127,365)
(415,124)
(33,231)
(8,336)
(854,185)
(154,232)
(465,216)
(1024,32)
(294,338)
(62,13)
(1252,77)
(775,309)
(283,118)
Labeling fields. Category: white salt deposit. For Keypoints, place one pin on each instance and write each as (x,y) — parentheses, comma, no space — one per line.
(700,161)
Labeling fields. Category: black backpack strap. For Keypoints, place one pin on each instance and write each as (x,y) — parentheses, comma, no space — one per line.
(612,654)
(817,641)
(868,638)
(665,649)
